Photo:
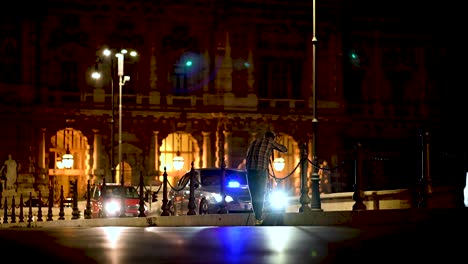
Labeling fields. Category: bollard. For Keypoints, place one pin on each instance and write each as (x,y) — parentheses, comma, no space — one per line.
(30,214)
(5,211)
(304,199)
(165,210)
(222,207)
(122,199)
(88,202)
(76,211)
(141,209)
(61,213)
(50,203)
(21,205)
(191,204)
(424,181)
(13,213)
(358,195)
(39,209)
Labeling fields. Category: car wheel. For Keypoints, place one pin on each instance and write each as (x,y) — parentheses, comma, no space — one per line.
(171,207)
(203,208)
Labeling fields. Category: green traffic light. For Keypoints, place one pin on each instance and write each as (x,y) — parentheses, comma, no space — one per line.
(188,63)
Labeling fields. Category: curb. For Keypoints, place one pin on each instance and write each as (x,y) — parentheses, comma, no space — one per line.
(313,218)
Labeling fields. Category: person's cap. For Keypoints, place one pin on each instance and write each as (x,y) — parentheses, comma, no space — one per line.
(270,134)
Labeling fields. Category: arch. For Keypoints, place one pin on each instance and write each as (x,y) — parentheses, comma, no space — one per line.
(181,142)
(127,173)
(291,158)
(77,144)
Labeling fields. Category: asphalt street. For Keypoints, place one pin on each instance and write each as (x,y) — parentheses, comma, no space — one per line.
(235,244)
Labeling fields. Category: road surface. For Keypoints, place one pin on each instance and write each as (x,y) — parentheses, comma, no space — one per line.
(233,244)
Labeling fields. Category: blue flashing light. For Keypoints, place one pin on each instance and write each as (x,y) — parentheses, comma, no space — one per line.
(233,184)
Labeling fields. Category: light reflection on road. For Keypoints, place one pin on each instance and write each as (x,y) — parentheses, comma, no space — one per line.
(209,244)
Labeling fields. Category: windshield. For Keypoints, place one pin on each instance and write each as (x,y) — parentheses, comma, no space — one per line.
(116,191)
(213,177)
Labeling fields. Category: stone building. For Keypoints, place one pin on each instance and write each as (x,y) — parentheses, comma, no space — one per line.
(210,76)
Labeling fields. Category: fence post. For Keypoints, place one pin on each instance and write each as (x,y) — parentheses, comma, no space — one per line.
(62,212)
(425,181)
(50,203)
(76,211)
(191,204)
(141,209)
(87,214)
(223,207)
(165,210)
(5,211)
(13,213)
(304,199)
(21,205)
(358,195)
(39,207)
(30,214)
(315,201)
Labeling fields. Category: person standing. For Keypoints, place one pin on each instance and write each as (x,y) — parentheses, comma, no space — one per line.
(257,164)
(10,165)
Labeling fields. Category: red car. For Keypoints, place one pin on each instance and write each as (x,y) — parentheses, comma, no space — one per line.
(106,200)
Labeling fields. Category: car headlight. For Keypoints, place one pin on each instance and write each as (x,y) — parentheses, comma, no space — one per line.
(112,207)
(278,199)
(219,198)
(228,199)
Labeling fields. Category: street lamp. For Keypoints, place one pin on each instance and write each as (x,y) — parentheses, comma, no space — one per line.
(122,79)
(278,164)
(66,161)
(315,201)
(97,75)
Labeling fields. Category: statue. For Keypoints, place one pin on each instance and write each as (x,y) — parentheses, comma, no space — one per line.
(9,169)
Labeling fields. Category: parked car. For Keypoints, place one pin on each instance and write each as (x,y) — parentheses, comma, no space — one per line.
(106,200)
(207,192)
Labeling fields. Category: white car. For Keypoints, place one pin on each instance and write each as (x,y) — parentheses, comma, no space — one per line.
(207,192)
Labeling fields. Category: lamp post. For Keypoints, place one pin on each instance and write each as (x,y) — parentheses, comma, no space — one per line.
(315,201)
(107,53)
(122,79)
(97,75)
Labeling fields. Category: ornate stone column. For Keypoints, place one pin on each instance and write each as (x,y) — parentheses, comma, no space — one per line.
(206,155)
(155,161)
(98,170)
(227,148)
(220,146)
(42,152)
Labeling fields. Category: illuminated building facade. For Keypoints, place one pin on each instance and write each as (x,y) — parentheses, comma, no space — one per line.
(212,75)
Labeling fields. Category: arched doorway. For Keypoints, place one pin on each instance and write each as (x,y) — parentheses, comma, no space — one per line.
(182,146)
(72,142)
(126,173)
(290,175)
